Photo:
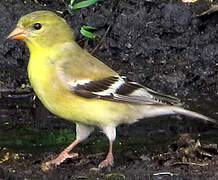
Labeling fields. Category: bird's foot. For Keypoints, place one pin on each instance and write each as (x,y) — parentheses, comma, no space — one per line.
(108,162)
(61,158)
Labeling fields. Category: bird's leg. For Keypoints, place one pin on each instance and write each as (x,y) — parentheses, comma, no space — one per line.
(64,154)
(109,161)
(82,132)
(110,132)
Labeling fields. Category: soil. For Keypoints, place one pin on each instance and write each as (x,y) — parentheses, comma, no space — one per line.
(163,45)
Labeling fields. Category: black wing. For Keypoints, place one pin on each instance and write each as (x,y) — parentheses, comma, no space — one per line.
(117,89)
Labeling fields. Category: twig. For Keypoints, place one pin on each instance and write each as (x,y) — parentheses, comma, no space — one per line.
(189,163)
(105,34)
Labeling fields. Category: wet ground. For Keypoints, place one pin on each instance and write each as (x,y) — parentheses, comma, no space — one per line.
(160,44)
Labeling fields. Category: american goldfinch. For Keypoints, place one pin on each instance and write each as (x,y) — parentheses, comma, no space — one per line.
(78,87)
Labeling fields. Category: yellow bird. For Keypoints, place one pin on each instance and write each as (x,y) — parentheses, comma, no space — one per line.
(78,87)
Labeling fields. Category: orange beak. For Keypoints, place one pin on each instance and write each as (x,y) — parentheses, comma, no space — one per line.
(18,33)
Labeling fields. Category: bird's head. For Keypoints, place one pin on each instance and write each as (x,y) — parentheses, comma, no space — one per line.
(42,28)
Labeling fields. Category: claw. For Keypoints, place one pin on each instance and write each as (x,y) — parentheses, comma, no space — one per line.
(108,162)
(61,158)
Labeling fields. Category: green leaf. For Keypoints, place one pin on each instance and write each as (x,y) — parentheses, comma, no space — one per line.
(71,2)
(87,27)
(83,4)
(84,31)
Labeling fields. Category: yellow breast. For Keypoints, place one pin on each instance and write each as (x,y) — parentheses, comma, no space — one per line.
(62,102)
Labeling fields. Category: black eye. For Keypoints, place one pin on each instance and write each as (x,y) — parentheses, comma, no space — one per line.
(37,26)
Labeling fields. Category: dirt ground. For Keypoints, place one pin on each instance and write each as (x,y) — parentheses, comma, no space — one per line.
(163,45)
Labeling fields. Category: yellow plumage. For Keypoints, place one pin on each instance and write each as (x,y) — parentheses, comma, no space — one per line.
(44,75)
(76,86)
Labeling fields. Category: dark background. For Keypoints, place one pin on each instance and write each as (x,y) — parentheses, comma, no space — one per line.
(160,44)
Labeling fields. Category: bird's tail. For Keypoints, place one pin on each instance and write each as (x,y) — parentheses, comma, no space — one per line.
(179,110)
(160,110)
